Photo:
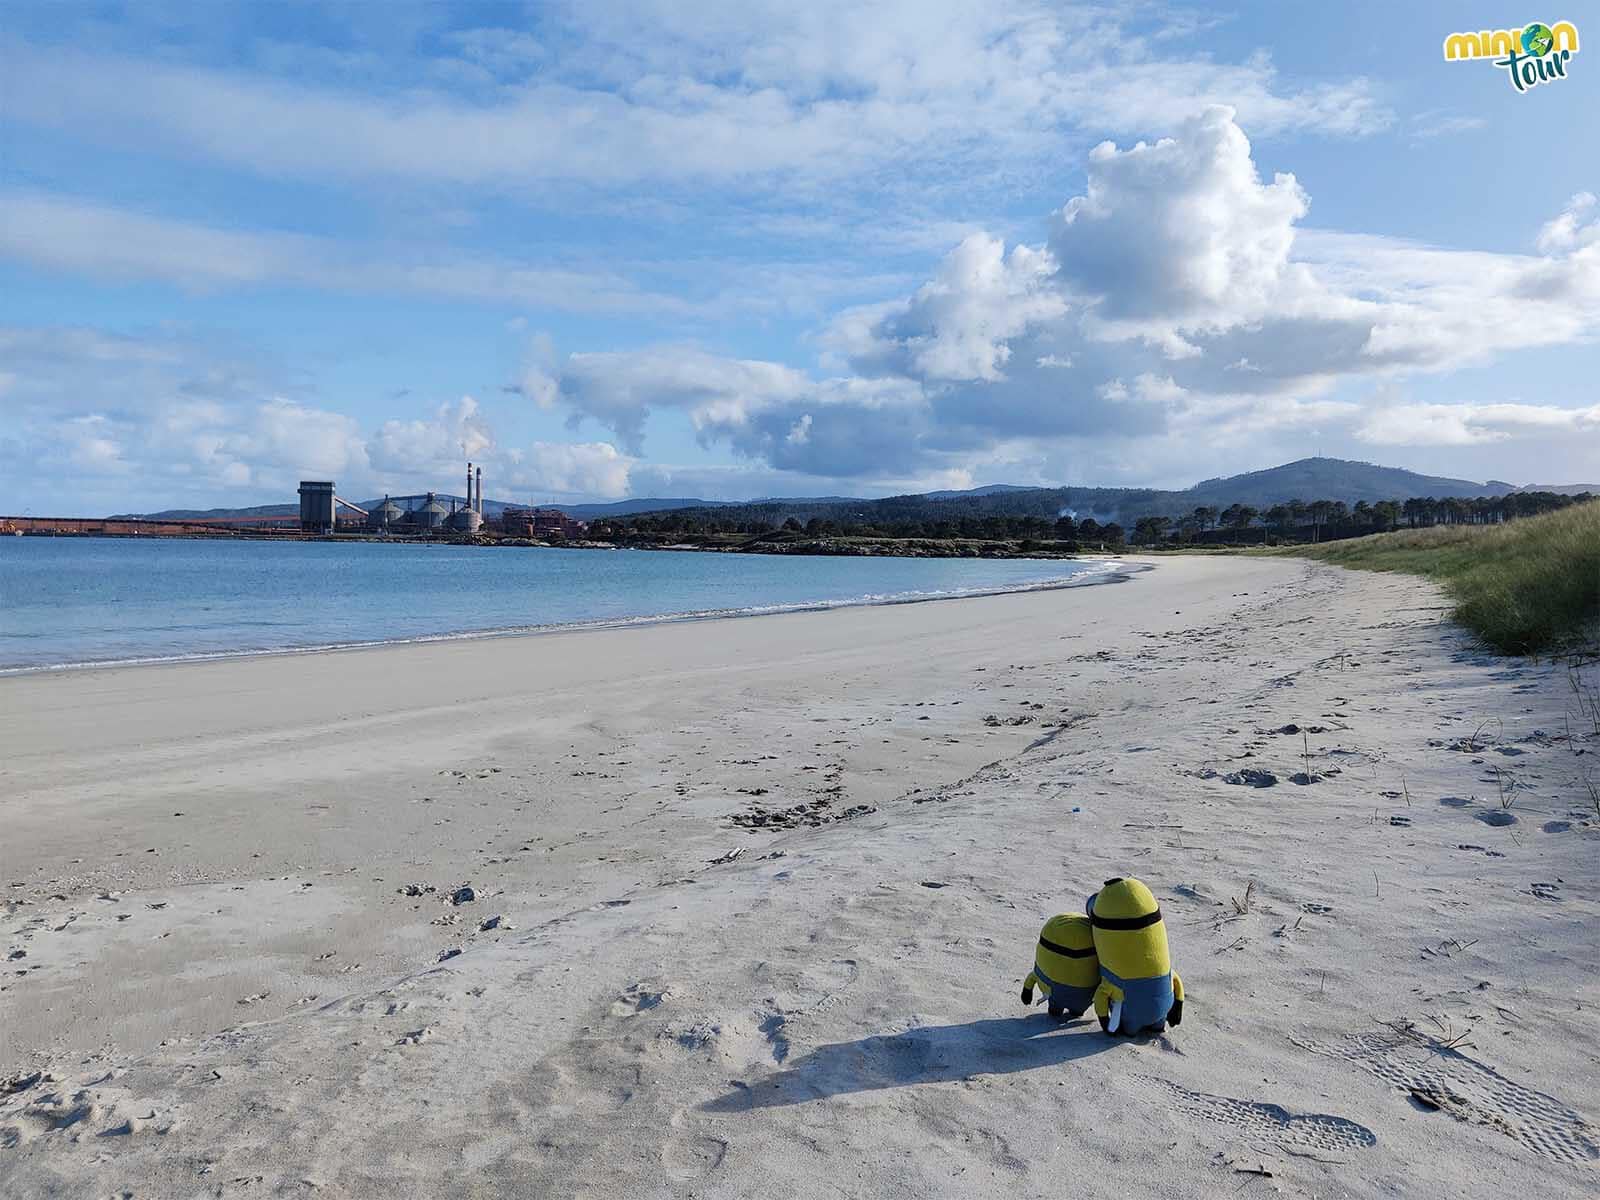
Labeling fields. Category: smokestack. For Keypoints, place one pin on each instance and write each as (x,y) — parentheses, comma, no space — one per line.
(469,484)
(480,491)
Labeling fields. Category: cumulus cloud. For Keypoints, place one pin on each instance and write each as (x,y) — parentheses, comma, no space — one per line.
(573,469)
(1176,298)
(429,452)
(1180,236)
(960,324)
(618,389)
(93,418)
(433,446)
(187,445)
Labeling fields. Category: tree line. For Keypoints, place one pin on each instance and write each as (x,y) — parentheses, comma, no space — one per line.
(690,524)
(1323,519)
(1314,520)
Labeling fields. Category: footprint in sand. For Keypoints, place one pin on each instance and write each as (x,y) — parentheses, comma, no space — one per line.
(1271,1125)
(1447,1080)
(811,990)
(636,999)
(688,1157)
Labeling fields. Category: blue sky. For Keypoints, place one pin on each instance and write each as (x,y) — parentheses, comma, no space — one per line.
(752,249)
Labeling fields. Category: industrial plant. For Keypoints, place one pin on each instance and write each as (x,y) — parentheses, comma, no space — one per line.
(428,514)
(324,513)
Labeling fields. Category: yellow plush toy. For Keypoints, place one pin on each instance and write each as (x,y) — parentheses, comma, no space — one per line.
(1064,966)
(1139,992)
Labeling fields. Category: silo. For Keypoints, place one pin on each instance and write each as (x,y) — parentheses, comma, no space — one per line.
(465,520)
(385,516)
(431,516)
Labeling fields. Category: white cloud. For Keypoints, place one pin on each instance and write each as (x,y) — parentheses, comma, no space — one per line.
(1440,123)
(578,469)
(94,420)
(959,325)
(659,93)
(189,445)
(1577,226)
(1188,304)
(619,389)
(66,234)
(91,443)
(1180,236)
(434,447)
(1469,424)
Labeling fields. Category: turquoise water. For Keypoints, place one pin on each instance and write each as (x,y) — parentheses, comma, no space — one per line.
(75,601)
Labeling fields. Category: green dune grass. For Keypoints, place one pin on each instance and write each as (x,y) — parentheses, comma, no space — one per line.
(1528,586)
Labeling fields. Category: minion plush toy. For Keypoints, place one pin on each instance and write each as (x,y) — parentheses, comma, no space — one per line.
(1139,992)
(1064,966)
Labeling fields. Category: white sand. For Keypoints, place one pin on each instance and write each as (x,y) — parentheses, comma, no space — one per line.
(238,1001)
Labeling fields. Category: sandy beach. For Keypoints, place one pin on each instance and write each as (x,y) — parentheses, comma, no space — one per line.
(742,907)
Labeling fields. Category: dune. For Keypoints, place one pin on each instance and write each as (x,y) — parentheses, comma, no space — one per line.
(743,907)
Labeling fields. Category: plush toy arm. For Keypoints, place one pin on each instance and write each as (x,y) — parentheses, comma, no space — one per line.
(1107,996)
(1027,988)
(1175,1017)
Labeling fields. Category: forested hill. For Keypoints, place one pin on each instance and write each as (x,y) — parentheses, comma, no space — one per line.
(1307,479)
(1332,479)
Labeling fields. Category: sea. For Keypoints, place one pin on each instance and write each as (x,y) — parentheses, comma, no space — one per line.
(74,602)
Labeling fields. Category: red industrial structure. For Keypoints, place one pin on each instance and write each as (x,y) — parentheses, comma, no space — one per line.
(542,523)
(127,527)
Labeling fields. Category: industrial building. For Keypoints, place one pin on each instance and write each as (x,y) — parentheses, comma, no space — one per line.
(544,523)
(319,506)
(429,514)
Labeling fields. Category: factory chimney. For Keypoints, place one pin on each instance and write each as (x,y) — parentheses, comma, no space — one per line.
(480,491)
(469,484)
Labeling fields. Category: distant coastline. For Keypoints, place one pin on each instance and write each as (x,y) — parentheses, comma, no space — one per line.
(858,547)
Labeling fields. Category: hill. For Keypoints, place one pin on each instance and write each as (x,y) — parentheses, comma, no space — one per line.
(1332,479)
(1306,479)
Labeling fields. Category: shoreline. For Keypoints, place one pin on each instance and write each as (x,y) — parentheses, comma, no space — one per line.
(813,547)
(1116,569)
